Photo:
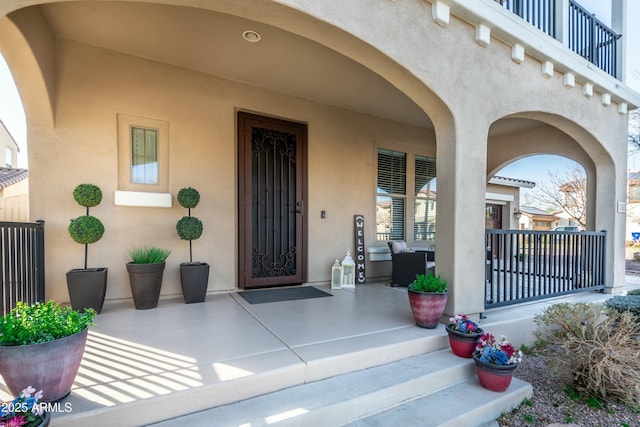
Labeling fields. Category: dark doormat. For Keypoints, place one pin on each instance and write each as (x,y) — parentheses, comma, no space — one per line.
(286,294)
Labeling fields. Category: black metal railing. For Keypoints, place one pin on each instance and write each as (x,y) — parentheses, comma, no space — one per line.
(530,265)
(591,39)
(587,36)
(22,258)
(539,13)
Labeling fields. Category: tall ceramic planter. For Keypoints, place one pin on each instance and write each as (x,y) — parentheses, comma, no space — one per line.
(194,278)
(493,377)
(87,288)
(145,281)
(427,307)
(463,344)
(50,366)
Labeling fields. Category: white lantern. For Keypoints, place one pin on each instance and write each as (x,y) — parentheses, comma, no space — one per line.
(348,271)
(336,275)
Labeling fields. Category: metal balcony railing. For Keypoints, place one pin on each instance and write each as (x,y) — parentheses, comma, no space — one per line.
(587,36)
(540,13)
(591,39)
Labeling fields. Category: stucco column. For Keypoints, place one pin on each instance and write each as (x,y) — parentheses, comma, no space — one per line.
(619,25)
(611,216)
(460,246)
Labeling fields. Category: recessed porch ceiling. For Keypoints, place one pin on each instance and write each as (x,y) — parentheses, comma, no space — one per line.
(212,43)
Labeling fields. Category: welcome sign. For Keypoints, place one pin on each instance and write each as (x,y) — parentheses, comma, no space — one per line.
(358,221)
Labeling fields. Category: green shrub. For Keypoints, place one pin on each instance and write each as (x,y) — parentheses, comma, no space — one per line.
(636,256)
(86,229)
(189,228)
(627,302)
(592,349)
(148,255)
(42,322)
(634,292)
(188,197)
(87,195)
(428,283)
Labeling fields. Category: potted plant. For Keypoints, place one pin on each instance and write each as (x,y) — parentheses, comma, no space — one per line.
(145,269)
(428,298)
(25,410)
(464,335)
(194,276)
(41,345)
(495,362)
(87,286)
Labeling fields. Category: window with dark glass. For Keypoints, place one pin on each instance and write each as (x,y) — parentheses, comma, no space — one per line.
(393,196)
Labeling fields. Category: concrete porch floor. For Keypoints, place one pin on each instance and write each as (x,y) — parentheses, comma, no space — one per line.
(145,366)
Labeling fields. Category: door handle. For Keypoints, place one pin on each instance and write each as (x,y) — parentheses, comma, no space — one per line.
(299,205)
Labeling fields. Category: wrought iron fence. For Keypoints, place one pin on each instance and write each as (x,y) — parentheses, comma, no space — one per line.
(530,265)
(22,258)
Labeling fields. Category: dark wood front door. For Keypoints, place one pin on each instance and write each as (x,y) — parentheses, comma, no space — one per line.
(272,226)
(493,217)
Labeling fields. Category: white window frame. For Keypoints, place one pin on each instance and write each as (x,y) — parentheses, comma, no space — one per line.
(409,197)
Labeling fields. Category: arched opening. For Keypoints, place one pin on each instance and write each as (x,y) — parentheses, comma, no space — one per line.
(557,200)
(12,115)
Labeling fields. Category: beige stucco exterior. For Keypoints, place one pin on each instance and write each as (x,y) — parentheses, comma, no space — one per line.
(416,84)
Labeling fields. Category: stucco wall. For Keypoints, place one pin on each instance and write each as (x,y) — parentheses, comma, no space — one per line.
(96,84)
(464,86)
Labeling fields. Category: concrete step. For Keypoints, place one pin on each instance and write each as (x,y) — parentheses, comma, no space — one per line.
(465,404)
(396,393)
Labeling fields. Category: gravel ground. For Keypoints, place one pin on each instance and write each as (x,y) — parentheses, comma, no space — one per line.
(550,405)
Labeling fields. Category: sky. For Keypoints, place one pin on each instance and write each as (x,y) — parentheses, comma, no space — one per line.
(534,168)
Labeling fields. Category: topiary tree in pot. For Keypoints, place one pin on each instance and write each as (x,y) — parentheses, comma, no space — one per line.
(87,286)
(194,276)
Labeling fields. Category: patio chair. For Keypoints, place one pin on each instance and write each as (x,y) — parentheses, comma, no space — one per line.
(405,265)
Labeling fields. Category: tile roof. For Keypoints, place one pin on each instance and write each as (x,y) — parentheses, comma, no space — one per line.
(513,182)
(10,176)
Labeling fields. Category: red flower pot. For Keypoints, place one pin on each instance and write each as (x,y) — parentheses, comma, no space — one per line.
(493,377)
(427,307)
(463,344)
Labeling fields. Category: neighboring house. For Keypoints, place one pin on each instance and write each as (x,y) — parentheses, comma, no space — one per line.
(14,183)
(633,207)
(291,117)
(564,219)
(8,148)
(503,202)
(537,219)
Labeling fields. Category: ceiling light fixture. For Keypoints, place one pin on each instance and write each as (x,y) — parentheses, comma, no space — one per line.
(251,36)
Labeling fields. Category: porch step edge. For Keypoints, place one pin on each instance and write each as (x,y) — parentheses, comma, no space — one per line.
(464,404)
(341,399)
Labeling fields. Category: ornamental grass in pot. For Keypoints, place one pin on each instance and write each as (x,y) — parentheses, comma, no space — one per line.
(87,286)
(428,298)
(41,346)
(194,276)
(495,362)
(146,269)
(464,335)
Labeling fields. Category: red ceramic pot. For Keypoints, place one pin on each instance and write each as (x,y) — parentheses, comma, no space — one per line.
(50,366)
(427,307)
(493,377)
(463,344)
